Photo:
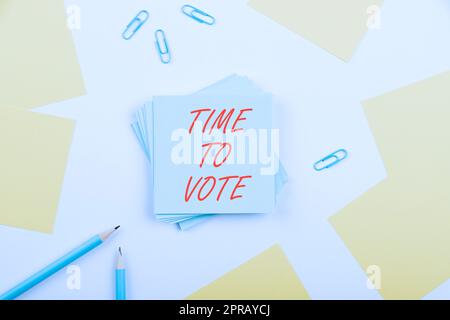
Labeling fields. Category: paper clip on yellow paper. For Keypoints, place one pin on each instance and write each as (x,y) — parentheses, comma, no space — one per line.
(331,160)
(135,24)
(198,15)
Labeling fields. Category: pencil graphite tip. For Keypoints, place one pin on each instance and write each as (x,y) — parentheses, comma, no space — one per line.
(120,251)
(117,227)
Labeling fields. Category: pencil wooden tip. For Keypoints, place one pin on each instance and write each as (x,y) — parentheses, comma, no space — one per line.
(120,262)
(105,235)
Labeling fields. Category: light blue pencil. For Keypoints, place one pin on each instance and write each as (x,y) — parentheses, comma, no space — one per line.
(54,267)
(120,278)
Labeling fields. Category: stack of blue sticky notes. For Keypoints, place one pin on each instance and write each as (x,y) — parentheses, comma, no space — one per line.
(213,152)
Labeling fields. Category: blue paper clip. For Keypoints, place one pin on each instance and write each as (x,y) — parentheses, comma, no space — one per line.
(135,24)
(162,47)
(331,160)
(198,15)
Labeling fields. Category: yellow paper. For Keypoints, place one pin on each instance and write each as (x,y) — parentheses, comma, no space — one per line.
(266,276)
(402,224)
(38,62)
(34,150)
(335,25)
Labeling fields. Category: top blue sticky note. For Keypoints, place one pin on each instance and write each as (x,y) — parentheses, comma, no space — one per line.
(214,154)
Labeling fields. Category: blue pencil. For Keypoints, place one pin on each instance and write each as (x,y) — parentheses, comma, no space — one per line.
(54,267)
(120,278)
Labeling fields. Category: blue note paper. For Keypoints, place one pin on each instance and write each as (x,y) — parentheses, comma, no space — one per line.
(201,166)
(143,127)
